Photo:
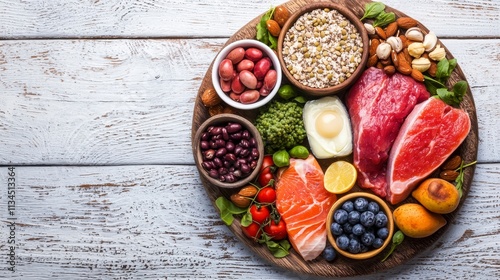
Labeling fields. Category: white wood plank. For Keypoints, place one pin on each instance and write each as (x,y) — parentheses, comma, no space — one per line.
(179,18)
(131,101)
(156,222)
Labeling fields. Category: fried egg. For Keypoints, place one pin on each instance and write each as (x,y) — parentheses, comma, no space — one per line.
(328,127)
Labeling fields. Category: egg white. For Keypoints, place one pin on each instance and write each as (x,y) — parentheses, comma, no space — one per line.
(328,145)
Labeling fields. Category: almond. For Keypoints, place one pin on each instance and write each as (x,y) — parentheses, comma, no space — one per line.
(210,98)
(373,46)
(389,70)
(417,75)
(433,69)
(449,175)
(380,32)
(404,67)
(372,61)
(406,22)
(391,29)
(248,191)
(406,42)
(240,201)
(394,58)
(453,163)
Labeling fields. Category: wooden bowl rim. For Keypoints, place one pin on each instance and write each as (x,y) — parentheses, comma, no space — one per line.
(320,92)
(390,224)
(222,118)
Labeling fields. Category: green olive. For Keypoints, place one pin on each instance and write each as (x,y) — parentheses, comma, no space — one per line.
(281,158)
(287,92)
(299,151)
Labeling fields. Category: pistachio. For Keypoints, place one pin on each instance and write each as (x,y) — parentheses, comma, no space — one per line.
(395,42)
(416,49)
(430,41)
(438,53)
(383,51)
(369,28)
(414,34)
(421,64)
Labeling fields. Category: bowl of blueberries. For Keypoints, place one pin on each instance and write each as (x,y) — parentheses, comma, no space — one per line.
(360,225)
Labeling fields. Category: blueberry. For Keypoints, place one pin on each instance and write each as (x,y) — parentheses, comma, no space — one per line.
(380,220)
(340,216)
(347,227)
(367,238)
(358,229)
(377,243)
(348,206)
(353,217)
(342,242)
(361,204)
(329,253)
(383,233)
(336,229)
(354,246)
(367,219)
(373,207)
(364,248)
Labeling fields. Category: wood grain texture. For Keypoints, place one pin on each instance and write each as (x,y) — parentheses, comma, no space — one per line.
(179,18)
(124,101)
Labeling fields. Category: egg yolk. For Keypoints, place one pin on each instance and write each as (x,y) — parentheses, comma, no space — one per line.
(329,123)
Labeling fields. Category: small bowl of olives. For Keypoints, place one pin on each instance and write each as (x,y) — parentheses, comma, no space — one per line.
(228,150)
(360,225)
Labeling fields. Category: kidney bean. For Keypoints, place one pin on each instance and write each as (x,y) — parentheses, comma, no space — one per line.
(223,171)
(255,153)
(226,69)
(234,96)
(245,134)
(220,143)
(238,149)
(230,178)
(253,54)
(236,55)
(217,162)
(270,79)
(262,67)
(220,152)
(248,79)
(225,85)
(209,154)
(245,168)
(253,142)
(249,96)
(230,147)
(235,136)
(264,92)
(222,178)
(208,165)
(204,145)
(244,153)
(216,130)
(225,135)
(237,86)
(205,136)
(245,143)
(227,164)
(253,164)
(230,157)
(233,127)
(213,173)
(245,64)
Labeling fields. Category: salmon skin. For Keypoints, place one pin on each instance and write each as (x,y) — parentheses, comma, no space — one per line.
(303,203)
(428,136)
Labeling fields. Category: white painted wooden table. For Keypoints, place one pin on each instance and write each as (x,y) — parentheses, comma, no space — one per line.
(96,99)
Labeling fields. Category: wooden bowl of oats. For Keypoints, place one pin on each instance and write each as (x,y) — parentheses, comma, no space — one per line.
(323,49)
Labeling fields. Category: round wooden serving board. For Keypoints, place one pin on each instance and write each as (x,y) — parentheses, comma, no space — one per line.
(343,267)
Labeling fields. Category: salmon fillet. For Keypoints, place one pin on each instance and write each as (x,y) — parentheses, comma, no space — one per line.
(303,203)
(429,135)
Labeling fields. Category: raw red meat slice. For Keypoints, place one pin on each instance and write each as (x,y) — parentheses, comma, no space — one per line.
(303,202)
(378,105)
(429,135)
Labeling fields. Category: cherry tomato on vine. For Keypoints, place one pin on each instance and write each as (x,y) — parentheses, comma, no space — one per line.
(252,231)
(266,195)
(266,171)
(259,214)
(277,231)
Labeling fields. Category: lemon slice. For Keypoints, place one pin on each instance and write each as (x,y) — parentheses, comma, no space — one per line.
(340,177)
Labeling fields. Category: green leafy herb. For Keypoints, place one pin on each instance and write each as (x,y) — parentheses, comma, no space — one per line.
(397,239)
(278,249)
(246,220)
(460,179)
(227,210)
(373,9)
(437,87)
(263,34)
(384,19)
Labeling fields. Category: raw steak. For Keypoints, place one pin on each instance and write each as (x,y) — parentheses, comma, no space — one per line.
(429,135)
(303,202)
(378,105)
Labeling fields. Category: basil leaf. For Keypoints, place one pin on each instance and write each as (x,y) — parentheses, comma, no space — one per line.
(246,220)
(459,90)
(452,64)
(443,67)
(432,85)
(263,34)
(384,19)
(227,209)
(273,42)
(373,9)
